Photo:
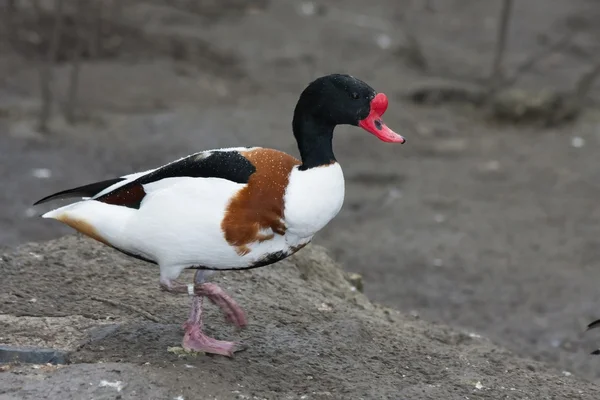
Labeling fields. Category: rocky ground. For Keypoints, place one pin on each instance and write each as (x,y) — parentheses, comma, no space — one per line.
(491,228)
(311,335)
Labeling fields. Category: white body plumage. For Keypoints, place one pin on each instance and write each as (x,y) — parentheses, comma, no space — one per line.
(178,223)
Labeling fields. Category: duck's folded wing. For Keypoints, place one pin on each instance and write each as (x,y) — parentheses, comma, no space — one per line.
(129,190)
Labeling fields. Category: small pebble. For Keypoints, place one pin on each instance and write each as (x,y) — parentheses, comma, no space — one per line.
(115,385)
(577,142)
(555,342)
(394,193)
(308,8)
(492,165)
(383,41)
(439,218)
(41,173)
(478,385)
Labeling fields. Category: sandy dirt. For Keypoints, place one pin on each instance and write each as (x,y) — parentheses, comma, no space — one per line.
(310,336)
(490,228)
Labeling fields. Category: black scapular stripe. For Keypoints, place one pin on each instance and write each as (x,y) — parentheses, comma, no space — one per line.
(230,165)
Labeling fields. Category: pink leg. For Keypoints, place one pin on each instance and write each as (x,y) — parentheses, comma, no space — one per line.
(233,312)
(195,339)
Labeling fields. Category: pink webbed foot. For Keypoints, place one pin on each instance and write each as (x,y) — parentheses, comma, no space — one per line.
(196,340)
(233,312)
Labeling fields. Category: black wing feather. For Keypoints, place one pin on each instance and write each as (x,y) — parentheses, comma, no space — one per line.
(81,191)
(230,165)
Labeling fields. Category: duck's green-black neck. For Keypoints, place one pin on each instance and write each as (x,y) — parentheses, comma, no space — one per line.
(314,142)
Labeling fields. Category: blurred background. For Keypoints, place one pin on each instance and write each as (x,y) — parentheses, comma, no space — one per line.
(486,219)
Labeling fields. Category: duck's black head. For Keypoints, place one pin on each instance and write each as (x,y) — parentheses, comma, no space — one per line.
(337,100)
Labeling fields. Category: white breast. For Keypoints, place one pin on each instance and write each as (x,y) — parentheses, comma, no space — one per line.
(312,199)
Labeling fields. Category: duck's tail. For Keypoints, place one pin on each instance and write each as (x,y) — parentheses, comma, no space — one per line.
(103,222)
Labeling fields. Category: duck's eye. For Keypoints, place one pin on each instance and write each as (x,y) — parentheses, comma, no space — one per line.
(355,95)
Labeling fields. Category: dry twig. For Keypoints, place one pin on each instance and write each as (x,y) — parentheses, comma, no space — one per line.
(585,83)
(114,16)
(10,14)
(47,66)
(97,29)
(505,16)
(37,8)
(76,62)
(532,61)
(412,51)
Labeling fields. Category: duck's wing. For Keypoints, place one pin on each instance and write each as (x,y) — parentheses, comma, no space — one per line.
(128,190)
(85,191)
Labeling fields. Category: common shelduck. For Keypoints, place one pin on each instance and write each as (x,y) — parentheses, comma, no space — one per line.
(230,208)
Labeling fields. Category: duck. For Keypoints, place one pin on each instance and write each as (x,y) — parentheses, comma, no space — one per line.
(229,209)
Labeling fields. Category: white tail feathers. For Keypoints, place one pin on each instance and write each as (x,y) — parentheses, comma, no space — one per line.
(103,222)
